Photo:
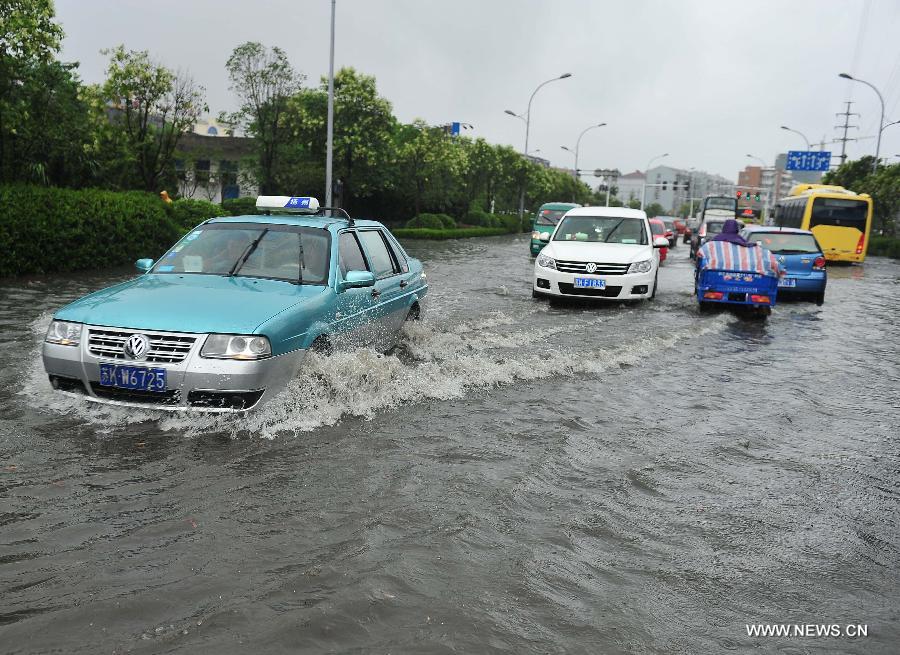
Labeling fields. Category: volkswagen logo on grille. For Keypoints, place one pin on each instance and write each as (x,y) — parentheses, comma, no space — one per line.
(136,347)
(590,268)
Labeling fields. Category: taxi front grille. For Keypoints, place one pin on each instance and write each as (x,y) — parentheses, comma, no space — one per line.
(165,348)
(170,397)
(603,268)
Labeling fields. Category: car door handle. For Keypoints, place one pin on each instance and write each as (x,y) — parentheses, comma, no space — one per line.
(403,284)
(375,293)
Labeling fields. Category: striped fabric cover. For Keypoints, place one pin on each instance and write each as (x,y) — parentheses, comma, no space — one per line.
(725,256)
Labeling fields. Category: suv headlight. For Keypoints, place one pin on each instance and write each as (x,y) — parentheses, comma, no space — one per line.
(536,235)
(641,267)
(231,346)
(63,333)
(546,261)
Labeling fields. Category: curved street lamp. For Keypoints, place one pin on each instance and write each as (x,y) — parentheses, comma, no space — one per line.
(647,170)
(528,129)
(785,127)
(881,124)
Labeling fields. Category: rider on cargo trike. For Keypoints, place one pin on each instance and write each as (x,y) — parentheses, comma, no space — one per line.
(733,271)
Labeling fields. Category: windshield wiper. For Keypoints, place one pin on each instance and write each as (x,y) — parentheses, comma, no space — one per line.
(246,254)
(615,227)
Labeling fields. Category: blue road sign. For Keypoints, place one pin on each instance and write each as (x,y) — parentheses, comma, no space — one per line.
(808,160)
(454,129)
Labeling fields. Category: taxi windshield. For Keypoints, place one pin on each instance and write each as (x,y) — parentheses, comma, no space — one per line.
(603,229)
(277,252)
(550,216)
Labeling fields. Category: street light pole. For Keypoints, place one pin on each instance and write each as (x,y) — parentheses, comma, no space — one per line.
(881,124)
(785,127)
(329,146)
(647,170)
(527,131)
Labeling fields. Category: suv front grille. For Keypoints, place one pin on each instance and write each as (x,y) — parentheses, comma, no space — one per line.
(165,348)
(602,268)
(570,290)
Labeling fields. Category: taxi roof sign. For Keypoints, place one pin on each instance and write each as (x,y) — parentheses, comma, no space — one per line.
(297,204)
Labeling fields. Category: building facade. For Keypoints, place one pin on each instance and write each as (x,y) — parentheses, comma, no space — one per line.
(215,167)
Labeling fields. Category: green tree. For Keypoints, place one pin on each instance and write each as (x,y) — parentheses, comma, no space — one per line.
(29,41)
(153,108)
(883,186)
(263,80)
(654,209)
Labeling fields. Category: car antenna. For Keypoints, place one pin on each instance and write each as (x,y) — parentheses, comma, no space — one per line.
(349,218)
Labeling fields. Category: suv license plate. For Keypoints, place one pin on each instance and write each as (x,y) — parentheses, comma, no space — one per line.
(589,283)
(133,377)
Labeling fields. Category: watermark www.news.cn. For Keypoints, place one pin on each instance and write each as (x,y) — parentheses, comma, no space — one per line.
(850,630)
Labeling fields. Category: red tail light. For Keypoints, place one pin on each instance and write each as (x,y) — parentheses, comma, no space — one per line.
(819,263)
(860,244)
(713,295)
(759,299)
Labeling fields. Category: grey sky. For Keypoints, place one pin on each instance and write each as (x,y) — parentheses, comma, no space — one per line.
(705,80)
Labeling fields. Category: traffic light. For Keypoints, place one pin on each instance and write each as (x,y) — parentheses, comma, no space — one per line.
(739,194)
(756,197)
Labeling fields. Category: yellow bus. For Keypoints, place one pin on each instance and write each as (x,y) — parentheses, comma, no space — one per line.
(840,219)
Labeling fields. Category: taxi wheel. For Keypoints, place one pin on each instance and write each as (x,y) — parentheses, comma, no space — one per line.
(414,313)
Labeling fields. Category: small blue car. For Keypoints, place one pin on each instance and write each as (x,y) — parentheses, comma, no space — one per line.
(224,319)
(798,252)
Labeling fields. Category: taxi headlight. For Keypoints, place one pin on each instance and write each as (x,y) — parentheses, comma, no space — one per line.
(546,261)
(641,267)
(64,333)
(232,346)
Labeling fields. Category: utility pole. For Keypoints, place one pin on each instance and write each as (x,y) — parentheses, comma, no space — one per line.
(846,126)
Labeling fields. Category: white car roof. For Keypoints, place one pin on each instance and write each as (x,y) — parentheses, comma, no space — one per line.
(620,212)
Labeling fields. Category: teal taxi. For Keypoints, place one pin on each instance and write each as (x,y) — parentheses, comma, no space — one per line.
(224,319)
(544,222)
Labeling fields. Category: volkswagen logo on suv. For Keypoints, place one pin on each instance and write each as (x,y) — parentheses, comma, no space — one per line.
(590,268)
(136,347)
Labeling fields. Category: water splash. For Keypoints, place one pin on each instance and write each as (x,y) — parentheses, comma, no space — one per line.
(433,362)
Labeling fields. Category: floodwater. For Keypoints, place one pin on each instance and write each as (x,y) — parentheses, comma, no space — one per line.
(515,478)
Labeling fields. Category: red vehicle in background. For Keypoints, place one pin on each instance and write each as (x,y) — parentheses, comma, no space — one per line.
(659,230)
(680,226)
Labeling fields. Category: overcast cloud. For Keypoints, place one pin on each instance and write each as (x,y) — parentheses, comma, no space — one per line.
(705,80)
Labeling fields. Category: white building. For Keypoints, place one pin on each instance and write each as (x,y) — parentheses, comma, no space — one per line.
(630,186)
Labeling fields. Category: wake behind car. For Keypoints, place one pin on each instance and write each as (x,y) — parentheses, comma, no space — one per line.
(798,253)
(545,220)
(225,318)
(599,252)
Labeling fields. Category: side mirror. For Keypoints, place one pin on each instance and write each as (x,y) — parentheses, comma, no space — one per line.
(143,265)
(357,280)
(660,242)
(545,236)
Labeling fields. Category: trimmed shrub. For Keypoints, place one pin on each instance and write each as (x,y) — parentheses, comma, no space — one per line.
(46,230)
(884,246)
(439,234)
(188,212)
(240,206)
(511,223)
(476,217)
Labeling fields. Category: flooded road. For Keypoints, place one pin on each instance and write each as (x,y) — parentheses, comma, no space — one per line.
(515,478)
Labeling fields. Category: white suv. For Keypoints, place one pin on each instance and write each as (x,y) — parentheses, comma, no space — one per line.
(599,252)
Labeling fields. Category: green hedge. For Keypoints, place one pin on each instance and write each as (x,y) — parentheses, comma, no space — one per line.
(456,233)
(45,229)
(188,212)
(432,221)
(884,246)
(240,207)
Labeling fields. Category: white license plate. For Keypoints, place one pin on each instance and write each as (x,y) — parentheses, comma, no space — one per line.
(589,283)
(787,282)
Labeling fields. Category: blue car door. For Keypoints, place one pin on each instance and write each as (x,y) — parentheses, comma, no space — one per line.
(355,309)
(389,292)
